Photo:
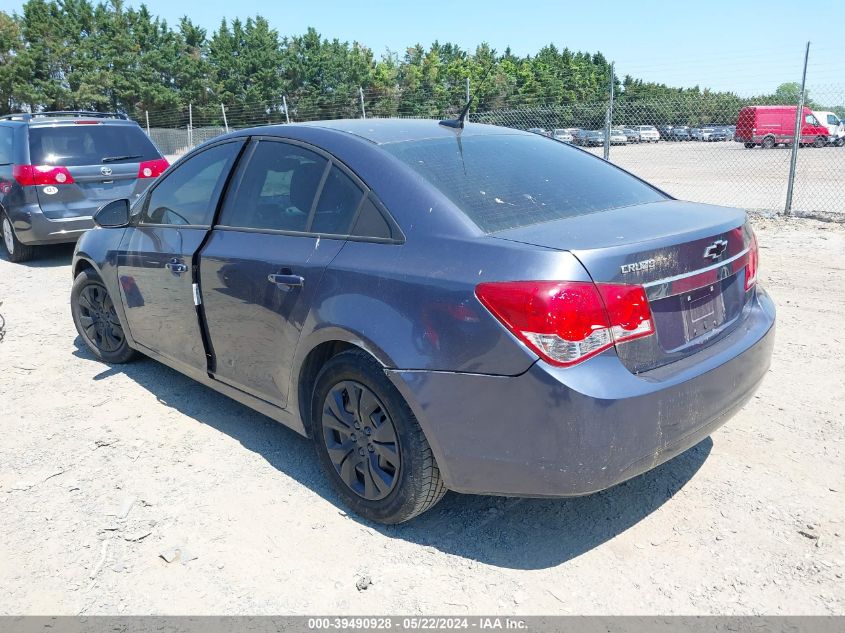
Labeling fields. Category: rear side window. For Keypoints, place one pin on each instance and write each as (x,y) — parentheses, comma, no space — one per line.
(188,194)
(276,190)
(370,222)
(93,144)
(505,181)
(6,135)
(339,200)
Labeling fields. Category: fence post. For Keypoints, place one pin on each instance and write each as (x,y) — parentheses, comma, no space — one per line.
(147,117)
(466,118)
(796,137)
(285,104)
(190,125)
(608,118)
(361,93)
(225,122)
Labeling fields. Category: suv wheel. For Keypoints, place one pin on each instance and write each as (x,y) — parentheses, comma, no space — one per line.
(369,442)
(16,251)
(96,320)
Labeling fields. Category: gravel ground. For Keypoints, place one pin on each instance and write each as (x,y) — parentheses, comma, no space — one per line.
(727,173)
(106,472)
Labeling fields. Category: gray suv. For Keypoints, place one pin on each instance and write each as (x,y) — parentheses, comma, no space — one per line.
(57,168)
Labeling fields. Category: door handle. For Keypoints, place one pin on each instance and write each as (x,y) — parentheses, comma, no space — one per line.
(286,281)
(175,266)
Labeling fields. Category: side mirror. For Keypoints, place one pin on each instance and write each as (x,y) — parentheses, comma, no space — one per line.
(113,215)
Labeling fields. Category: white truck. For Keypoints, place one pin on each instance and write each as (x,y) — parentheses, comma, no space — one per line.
(834,125)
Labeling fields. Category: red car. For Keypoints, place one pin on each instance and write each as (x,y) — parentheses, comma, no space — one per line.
(768,126)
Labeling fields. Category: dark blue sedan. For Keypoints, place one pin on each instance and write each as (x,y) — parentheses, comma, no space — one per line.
(482,309)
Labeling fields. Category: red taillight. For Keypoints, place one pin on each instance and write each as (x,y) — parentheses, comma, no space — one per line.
(152,168)
(570,321)
(30,175)
(753,260)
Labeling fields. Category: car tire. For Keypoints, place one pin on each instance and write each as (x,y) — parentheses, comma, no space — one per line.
(840,142)
(819,141)
(394,476)
(768,142)
(96,319)
(749,146)
(16,251)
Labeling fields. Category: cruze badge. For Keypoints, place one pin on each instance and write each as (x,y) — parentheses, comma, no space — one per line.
(646,264)
(715,250)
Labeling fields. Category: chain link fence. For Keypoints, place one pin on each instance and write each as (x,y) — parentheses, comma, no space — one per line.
(689,147)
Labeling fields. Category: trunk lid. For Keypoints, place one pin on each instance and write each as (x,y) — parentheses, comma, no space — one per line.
(689,257)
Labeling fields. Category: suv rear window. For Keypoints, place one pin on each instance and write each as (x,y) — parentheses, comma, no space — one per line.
(89,145)
(506,181)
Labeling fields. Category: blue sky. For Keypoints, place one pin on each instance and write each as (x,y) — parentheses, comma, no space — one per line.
(722,44)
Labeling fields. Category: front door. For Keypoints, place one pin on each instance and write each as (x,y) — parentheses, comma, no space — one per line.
(156,270)
(286,217)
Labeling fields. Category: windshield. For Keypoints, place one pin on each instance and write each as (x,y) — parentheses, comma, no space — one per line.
(505,181)
(89,145)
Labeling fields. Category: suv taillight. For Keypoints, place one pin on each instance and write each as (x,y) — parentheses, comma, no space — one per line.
(753,260)
(152,168)
(31,175)
(567,322)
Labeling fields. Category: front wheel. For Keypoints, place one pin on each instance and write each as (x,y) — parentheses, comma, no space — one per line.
(15,249)
(819,141)
(768,142)
(96,319)
(369,442)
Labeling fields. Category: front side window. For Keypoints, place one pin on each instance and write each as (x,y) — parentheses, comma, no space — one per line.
(503,181)
(188,195)
(276,190)
(832,120)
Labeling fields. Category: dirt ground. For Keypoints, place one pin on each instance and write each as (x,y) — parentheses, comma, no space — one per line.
(107,471)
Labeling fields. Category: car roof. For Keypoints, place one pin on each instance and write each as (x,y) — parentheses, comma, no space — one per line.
(383,131)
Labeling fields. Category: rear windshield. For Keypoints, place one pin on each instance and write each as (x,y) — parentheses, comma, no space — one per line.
(507,181)
(89,145)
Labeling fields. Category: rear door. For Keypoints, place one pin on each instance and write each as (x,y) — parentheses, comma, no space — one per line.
(103,162)
(156,267)
(284,220)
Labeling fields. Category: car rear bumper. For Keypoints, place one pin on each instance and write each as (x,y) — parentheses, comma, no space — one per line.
(568,432)
(33,228)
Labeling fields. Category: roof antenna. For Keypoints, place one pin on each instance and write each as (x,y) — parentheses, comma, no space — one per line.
(458,123)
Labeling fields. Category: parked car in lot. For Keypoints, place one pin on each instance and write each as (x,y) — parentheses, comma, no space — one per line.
(648,133)
(562,134)
(617,137)
(769,126)
(665,132)
(631,134)
(707,134)
(538,130)
(835,126)
(590,138)
(56,168)
(679,133)
(474,309)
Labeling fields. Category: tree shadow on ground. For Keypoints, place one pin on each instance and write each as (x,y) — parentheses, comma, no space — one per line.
(505,532)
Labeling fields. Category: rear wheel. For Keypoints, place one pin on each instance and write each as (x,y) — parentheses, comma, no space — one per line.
(96,319)
(15,250)
(749,146)
(369,442)
(768,142)
(840,142)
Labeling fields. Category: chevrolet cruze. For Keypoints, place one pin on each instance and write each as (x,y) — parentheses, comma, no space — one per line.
(476,309)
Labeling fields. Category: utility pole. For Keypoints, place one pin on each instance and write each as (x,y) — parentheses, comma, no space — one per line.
(608,118)
(285,104)
(147,117)
(361,94)
(796,138)
(225,122)
(190,125)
